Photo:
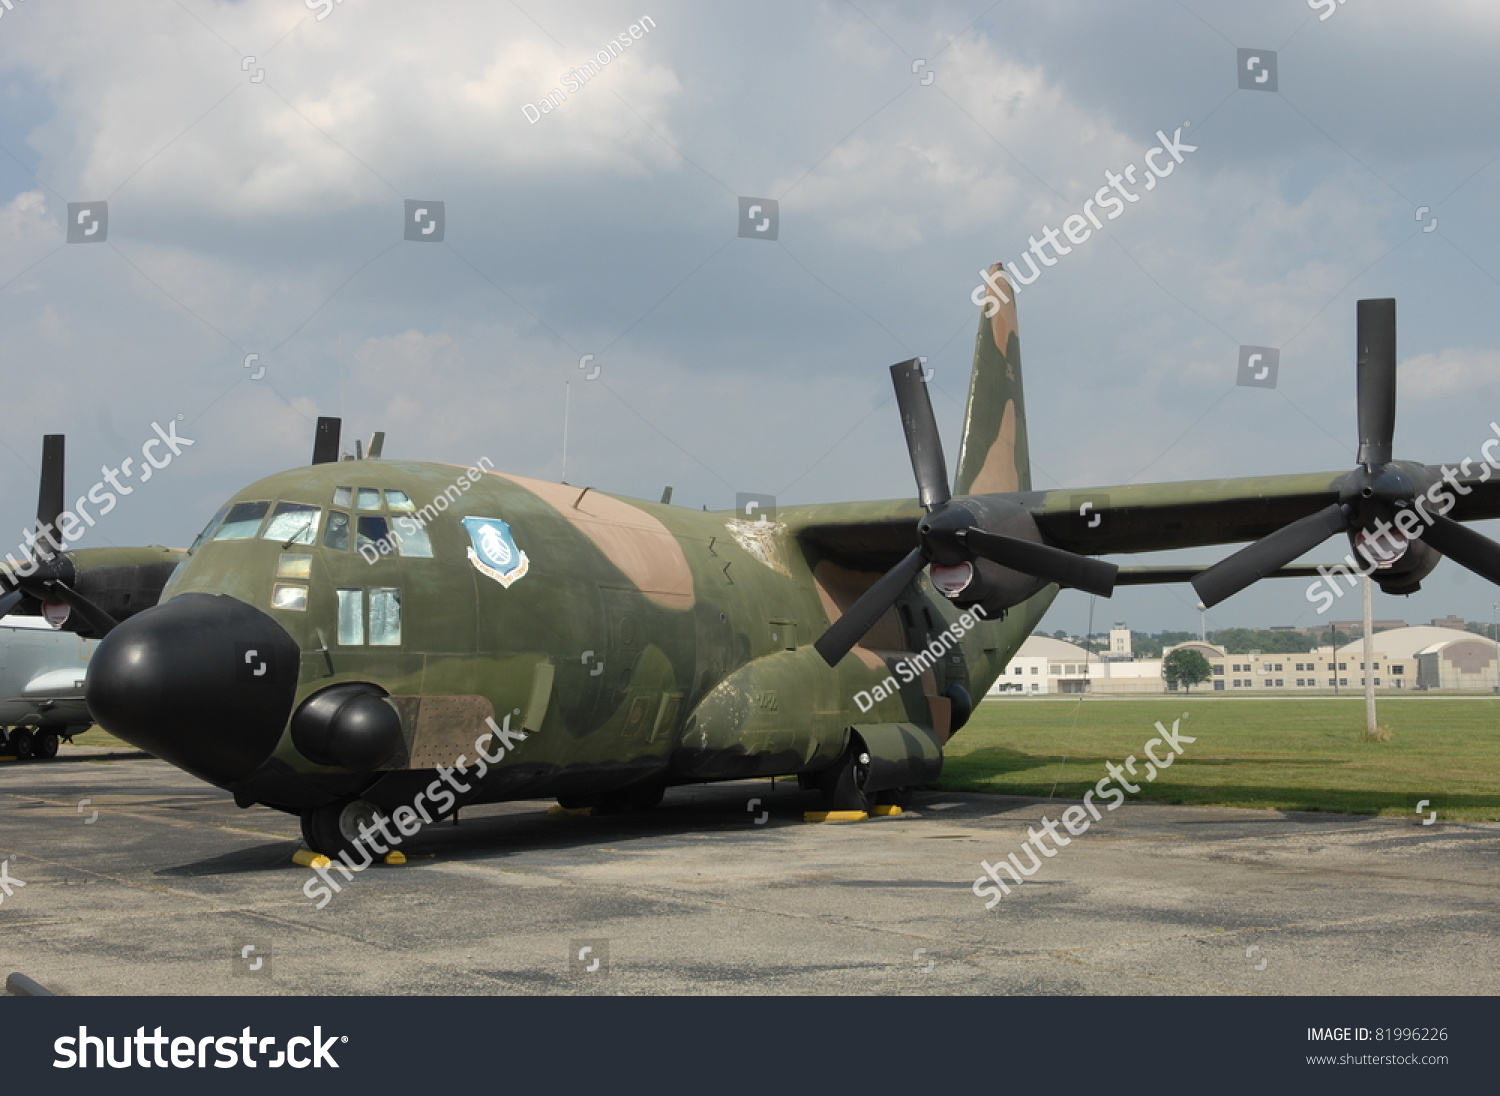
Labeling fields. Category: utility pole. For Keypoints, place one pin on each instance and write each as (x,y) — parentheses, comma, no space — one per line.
(1369,660)
(567,414)
(1333,647)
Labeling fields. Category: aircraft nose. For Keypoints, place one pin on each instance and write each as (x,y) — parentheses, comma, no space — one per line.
(204,682)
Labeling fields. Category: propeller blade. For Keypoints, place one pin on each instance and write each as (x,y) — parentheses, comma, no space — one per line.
(1465,547)
(922,438)
(9,602)
(326,441)
(100,622)
(1268,555)
(49,496)
(1375,322)
(1043,561)
(860,617)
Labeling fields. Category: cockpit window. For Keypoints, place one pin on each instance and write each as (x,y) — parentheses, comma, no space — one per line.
(373,532)
(343,496)
(293,523)
(213,523)
(399,502)
(243,520)
(336,536)
(369,499)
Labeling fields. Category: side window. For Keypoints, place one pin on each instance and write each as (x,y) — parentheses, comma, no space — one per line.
(343,496)
(398,502)
(336,536)
(351,617)
(242,521)
(385,617)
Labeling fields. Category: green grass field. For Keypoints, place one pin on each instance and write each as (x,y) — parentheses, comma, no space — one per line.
(98,736)
(1305,755)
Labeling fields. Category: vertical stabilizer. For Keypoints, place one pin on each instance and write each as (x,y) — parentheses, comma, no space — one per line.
(994,455)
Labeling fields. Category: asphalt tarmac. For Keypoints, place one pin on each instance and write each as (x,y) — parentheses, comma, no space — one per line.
(726,890)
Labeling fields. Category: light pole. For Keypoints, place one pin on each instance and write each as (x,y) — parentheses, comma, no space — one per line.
(1495,609)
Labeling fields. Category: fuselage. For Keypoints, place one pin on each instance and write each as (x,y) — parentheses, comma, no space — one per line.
(629,641)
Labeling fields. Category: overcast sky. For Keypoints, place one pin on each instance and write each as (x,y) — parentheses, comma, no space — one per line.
(256,159)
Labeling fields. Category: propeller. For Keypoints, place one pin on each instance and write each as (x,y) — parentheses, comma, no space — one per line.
(1371,495)
(951,534)
(53,575)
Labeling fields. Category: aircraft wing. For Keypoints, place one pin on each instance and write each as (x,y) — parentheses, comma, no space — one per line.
(1096,521)
(1152,517)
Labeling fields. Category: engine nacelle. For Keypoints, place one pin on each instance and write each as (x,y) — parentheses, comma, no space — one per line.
(967,580)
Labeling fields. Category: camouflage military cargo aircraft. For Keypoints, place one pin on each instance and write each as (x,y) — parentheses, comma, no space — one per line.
(343,636)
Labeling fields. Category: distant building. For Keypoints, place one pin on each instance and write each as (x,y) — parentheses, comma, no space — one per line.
(1045,665)
(1468,663)
(1455,622)
(1119,644)
(1422,657)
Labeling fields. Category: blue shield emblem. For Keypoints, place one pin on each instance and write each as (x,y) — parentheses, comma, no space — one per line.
(494,552)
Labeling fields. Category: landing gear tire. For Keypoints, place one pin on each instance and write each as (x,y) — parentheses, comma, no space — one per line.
(843,785)
(44,744)
(21,743)
(334,829)
(579,802)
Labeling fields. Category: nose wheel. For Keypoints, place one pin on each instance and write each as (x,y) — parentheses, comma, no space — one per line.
(335,828)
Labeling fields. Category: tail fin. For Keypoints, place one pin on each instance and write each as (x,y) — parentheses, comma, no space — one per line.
(994,456)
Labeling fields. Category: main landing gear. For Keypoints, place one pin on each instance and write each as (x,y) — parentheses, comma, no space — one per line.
(24,743)
(842,785)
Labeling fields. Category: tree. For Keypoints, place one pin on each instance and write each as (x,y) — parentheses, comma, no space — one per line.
(1185,667)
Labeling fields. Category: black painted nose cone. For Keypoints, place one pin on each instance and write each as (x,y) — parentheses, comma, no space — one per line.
(204,682)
